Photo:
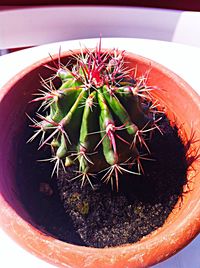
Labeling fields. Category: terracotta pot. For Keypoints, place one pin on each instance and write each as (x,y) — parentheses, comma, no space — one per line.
(181,103)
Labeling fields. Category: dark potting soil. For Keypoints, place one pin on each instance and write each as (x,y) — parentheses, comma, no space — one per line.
(102,217)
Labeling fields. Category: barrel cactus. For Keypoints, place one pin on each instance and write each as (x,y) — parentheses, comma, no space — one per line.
(98,117)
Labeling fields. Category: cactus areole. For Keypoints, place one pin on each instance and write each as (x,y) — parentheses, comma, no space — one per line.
(98,116)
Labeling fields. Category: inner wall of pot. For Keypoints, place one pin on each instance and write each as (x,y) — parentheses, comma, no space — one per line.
(13,108)
(11,121)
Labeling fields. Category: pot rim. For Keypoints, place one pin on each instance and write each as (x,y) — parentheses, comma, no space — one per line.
(132,251)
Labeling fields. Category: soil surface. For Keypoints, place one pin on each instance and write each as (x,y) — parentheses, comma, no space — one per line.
(102,217)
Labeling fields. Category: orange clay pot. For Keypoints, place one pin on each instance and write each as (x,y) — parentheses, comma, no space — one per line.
(183,224)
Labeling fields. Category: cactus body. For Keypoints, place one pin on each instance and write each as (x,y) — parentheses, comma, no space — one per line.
(97,117)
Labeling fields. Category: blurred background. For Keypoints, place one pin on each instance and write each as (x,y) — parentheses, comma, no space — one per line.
(43,22)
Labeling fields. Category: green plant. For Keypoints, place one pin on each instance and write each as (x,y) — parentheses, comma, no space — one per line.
(98,116)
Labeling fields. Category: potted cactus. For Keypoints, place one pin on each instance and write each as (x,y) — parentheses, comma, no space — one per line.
(103,117)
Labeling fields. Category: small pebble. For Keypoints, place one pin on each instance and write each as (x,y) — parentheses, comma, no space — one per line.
(46,189)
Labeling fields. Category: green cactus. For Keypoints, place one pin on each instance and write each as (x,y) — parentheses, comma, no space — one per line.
(98,117)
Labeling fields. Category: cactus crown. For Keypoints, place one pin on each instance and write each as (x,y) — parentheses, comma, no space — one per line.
(98,117)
